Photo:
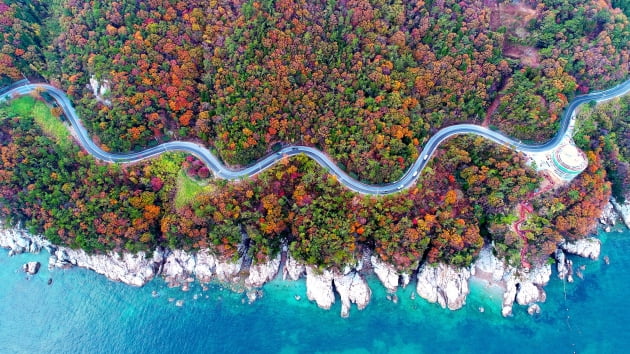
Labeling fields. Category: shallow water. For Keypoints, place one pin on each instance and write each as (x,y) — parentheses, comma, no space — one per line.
(82,312)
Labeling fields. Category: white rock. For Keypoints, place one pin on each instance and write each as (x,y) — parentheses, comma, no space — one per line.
(204,266)
(227,270)
(561,264)
(386,273)
(31,267)
(352,288)
(520,286)
(528,293)
(623,210)
(132,269)
(261,273)
(533,309)
(489,264)
(18,240)
(405,278)
(293,269)
(443,284)
(319,287)
(178,266)
(588,247)
(609,216)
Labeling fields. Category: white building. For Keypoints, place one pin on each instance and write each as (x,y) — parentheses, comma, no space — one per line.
(568,161)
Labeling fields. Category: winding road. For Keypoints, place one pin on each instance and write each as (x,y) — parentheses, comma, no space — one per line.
(221,171)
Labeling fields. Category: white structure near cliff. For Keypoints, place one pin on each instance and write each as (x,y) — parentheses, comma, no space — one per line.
(568,161)
(565,162)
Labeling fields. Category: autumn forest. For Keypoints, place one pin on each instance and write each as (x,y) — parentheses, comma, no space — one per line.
(366,81)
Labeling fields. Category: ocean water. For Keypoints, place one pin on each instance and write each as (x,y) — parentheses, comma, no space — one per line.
(82,312)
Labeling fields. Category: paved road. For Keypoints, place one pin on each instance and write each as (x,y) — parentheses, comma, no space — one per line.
(221,171)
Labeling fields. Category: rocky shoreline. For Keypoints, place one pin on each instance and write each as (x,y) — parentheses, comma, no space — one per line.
(438,283)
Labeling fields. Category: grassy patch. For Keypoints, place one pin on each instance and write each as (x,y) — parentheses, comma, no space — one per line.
(52,126)
(188,189)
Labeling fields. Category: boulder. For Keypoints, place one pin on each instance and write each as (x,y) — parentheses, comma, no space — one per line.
(261,273)
(533,309)
(443,284)
(319,287)
(352,288)
(386,273)
(588,247)
(31,267)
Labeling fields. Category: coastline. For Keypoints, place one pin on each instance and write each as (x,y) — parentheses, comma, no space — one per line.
(443,284)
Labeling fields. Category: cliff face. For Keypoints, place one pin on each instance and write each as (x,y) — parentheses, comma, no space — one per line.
(444,284)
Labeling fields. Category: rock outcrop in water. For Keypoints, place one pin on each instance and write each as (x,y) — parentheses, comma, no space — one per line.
(623,210)
(588,247)
(319,287)
(352,289)
(386,273)
(563,265)
(444,284)
(31,268)
(609,217)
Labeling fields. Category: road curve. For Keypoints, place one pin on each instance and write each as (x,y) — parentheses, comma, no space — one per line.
(221,171)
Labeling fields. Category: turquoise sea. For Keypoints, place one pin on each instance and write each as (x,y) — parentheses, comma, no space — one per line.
(82,312)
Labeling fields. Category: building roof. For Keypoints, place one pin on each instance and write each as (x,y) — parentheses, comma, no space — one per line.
(570,159)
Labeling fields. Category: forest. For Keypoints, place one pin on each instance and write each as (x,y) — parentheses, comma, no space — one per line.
(463,197)
(366,81)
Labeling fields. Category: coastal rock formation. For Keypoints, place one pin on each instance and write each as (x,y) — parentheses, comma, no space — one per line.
(523,287)
(178,267)
(623,210)
(352,288)
(319,287)
(31,267)
(19,241)
(488,267)
(386,273)
(588,247)
(563,265)
(443,284)
(133,269)
(609,216)
(533,309)
(261,273)
(293,269)
(227,270)
(204,266)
